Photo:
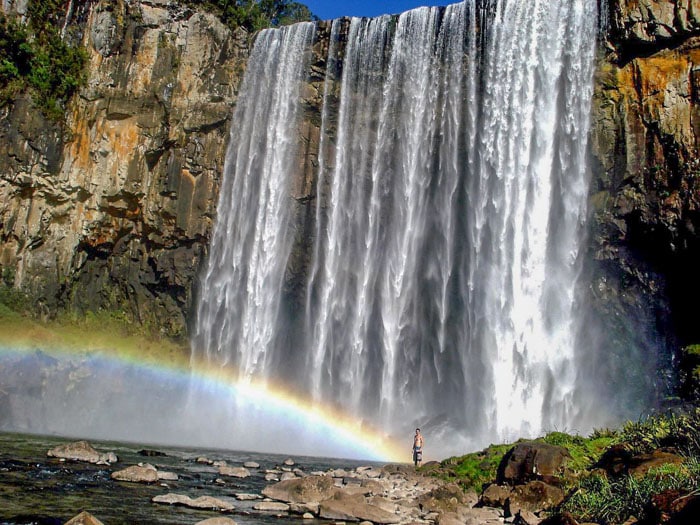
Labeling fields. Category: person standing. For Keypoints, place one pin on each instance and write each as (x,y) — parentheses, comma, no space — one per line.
(418,448)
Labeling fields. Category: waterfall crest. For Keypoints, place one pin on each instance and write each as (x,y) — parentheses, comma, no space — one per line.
(449,214)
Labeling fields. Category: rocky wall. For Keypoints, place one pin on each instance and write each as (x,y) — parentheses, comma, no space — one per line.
(113,209)
(646,185)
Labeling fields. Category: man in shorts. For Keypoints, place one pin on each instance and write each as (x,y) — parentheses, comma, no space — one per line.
(417,448)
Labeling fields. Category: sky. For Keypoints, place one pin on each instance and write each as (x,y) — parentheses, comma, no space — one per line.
(328,9)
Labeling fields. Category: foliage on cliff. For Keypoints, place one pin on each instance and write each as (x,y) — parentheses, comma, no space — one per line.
(257,14)
(36,58)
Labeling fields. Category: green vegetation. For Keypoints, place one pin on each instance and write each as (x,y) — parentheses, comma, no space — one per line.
(474,470)
(678,431)
(602,500)
(36,58)
(257,14)
(593,495)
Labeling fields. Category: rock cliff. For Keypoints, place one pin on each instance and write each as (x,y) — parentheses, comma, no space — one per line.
(646,179)
(113,209)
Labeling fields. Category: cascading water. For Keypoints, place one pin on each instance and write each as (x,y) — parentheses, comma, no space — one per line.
(450,205)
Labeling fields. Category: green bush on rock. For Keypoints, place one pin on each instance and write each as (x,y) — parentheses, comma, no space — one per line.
(257,14)
(37,58)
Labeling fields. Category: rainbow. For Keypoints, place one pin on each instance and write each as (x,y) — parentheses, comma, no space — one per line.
(358,439)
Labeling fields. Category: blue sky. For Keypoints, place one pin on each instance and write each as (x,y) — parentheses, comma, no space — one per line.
(327,9)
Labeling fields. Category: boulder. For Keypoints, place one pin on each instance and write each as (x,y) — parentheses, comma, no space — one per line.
(136,474)
(495,495)
(202,502)
(82,451)
(289,462)
(534,496)
(481,516)
(562,518)
(447,498)
(304,508)
(525,517)
(167,476)
(532,460)
(354,508)
(617,460)
(84,518)
(271,506)
(302,490)
(235,472)
(217,521)
(251,464)
(640,465)
(243,496)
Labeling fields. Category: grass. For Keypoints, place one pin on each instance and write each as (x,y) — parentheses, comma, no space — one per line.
(473,471)
(608,501)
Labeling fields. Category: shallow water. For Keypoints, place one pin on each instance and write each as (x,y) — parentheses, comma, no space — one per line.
(36,489)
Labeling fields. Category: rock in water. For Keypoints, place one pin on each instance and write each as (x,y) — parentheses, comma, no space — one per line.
(271,506)
(136,474)
(202,502)
(84,518)
(236,472)
(251,464)
(82,451)
(216,521)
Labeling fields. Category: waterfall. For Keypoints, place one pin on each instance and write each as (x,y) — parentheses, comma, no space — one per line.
(449,210)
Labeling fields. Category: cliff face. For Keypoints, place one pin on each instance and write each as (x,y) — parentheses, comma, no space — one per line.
(646,186)
(113,209)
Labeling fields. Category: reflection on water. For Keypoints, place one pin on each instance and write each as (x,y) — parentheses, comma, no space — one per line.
(35,489)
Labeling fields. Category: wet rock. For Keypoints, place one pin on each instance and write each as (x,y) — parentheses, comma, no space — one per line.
(287,475)
(247,497)
(532,460)
(82,451)
(289,462)
(136,474)
(307,516)
(251,464)
(167,476)
(151,453)
(302,490)
(271,506)
(202,502)
(235,472)
(217,521)
(84,518)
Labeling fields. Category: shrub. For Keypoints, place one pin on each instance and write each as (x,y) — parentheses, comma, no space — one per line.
(602,500)
(36,58)
(680,431)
